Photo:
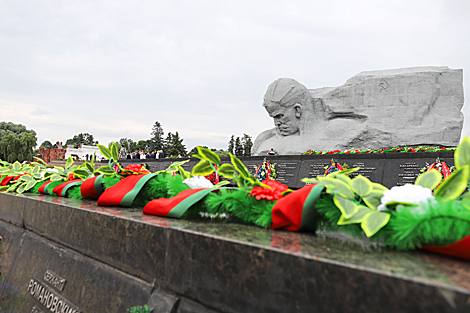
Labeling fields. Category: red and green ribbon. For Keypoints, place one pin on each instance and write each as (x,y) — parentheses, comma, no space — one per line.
(177,205)
(92,187)
(296,211)
(61,190)
(125,191)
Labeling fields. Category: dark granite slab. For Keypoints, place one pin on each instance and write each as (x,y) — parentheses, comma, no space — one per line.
(389,169)
(90,286)
(213,266)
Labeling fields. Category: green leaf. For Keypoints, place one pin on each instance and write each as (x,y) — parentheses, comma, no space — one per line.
(392,205)
(226,170)
(89,167)
(4,188)
(55,177)
(4,170)
(105,169)
(429,179)
(13,187)
(203,168)
(344,178)
(81,173)
(361,186)
(347,207)
(37,176)
(30,185)
(184,174)
(26,178)
(239,166)
(105,152)
(221,183)
(454,185)
(345,171)
(374,221)
(69,162)
(462,155)
(208,155)
(372,200)
(21,188)
(178,163)
(60,169)
(310,180)
(114,151)
(336,186)
(197,156)
(36,170)
(40,160)
(379,187)
(73,168)
(356,218)
(16,166)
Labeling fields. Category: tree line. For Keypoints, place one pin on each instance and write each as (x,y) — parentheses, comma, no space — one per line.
(18,143)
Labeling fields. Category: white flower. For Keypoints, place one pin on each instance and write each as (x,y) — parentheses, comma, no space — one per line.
(408,193)
(198,182)
(49,170)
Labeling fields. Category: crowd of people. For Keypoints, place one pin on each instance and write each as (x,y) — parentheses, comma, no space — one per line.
(140,154)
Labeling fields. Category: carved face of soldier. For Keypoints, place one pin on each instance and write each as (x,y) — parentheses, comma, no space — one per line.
(286,118)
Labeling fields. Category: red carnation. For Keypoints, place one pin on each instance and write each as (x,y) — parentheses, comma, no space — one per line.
(138,168)
(70,176)
(273,193)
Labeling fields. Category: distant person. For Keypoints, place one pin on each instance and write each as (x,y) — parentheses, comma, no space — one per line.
(122,152)
(271,152)
(129,156)
(160,154)
(147,155)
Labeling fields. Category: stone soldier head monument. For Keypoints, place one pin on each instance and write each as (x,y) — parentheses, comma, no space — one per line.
(375,109)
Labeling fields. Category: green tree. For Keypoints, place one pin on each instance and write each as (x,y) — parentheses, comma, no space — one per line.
(16,142)
(231,145)
(129,144)
(167,144)
(156,142)
(238,147)
(142,145)
(221,152)
(176,148)
(247,144)
(84,138)
(46,144)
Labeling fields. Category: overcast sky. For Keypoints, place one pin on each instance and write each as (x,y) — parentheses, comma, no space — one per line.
(113,68)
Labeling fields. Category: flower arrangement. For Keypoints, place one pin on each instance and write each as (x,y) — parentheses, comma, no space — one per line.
(266,171)
(335,167)
(432,214)
(389,150)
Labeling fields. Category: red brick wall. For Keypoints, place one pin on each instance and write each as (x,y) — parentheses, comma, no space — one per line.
(51,154)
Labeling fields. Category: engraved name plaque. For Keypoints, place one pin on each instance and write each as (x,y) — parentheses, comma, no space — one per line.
(54,280)
(51,300)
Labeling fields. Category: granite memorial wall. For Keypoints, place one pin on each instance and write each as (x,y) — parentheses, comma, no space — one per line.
(389,169)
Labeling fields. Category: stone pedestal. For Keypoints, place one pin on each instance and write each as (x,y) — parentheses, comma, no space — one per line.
(97,259)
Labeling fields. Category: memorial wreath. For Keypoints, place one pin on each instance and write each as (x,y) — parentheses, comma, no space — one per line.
(432,214)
